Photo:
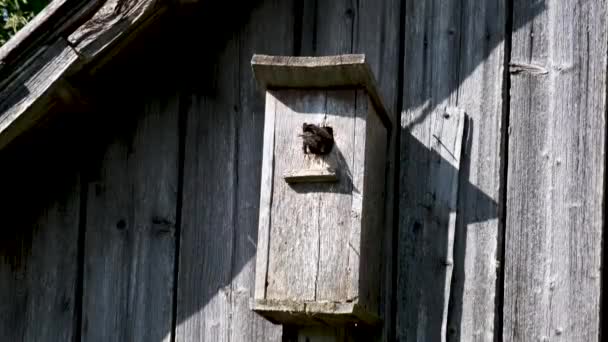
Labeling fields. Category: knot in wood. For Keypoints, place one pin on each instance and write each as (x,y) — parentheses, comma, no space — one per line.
(317,139)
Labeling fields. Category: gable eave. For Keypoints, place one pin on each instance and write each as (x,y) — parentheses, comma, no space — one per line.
(58,43)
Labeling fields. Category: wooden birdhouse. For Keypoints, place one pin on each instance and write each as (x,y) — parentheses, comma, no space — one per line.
(321,217)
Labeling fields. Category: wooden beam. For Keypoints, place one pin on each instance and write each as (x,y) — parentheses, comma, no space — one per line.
(113,21)
(556,173)
(22,101)
(32,84)
(48,25)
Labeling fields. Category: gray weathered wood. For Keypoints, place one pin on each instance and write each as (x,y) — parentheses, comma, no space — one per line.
(429,177)
(38,270)
(347,70)
(453,56)
(27,89)
(51,23)
(316,252)
(556,173)
(21,101)
(267,178)
(371,256)
(259,35)
(311,175)
(113,21)
(376,33)
(294,218)
(30,28)
(370,27)
(475,290)
(335,228)
(130,234)
(208,211)
(221,198)
(39,240)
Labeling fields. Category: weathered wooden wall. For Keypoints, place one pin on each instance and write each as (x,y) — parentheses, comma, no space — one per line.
(557,162)
(449,246)
(144,227)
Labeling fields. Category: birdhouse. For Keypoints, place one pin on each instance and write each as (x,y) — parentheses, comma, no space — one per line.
(321,216)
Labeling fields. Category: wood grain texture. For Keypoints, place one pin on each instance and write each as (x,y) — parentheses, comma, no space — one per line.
(475,288)
(454,53)
(114,20)
(38,270)
(208,212)
(259,35)
(370,253)
(39,235)
(267,179)
(428,206)
(556,173)
(21,101)
(376,33)
(295,217)
(57,18)
(316,250)
(222,177)
(372,28)
(130,233)
(342,70)
(335,226)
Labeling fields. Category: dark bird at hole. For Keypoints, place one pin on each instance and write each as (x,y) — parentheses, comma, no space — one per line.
(316,139)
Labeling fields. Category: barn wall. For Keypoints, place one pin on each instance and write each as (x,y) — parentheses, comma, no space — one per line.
(140,221)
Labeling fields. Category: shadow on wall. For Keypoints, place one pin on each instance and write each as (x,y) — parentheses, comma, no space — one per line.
(445,44)
(191,58)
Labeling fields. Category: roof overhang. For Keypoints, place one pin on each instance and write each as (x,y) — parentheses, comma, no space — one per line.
(63,39)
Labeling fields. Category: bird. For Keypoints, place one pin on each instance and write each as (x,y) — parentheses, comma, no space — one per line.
(316,139)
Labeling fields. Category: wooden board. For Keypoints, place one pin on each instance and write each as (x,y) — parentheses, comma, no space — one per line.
(39,240)
(454,55)
(344,70)
(475,311)
(35,63)
(309,212)
(22,101)
(428,214)
(371,28)
(223,150)
(259,35)
(130,231)
(113,21)
(556,171)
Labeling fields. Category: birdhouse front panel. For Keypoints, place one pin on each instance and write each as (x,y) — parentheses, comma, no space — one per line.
(311,222)
(322,200)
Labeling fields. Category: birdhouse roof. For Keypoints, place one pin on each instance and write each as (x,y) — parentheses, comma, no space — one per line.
(339,71)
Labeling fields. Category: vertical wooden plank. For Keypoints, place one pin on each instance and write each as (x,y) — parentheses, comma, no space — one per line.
(556,173)
(432,40)
(259,35)
(39,236)
(473,312)
(261,271)
(130,234)
(377,34)
(222,172)
(336,249)
(372,254)
(207,235)
(295,218)
(430,217)
(370,27)
(454,53)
